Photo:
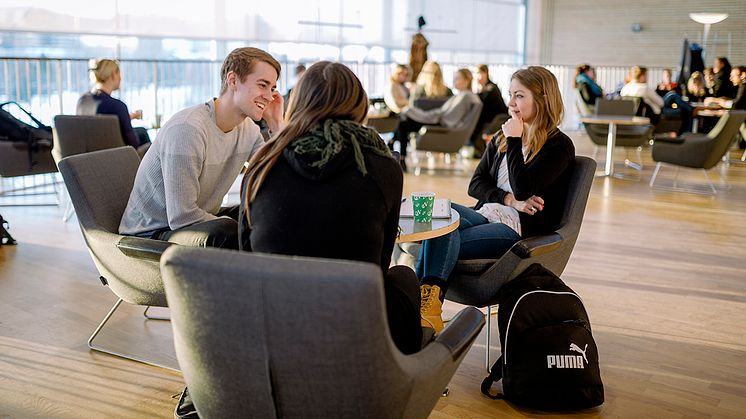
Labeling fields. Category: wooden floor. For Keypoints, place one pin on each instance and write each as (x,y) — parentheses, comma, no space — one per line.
(661,273)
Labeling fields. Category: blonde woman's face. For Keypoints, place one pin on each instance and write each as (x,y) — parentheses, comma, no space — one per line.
(459,82)
(521,104)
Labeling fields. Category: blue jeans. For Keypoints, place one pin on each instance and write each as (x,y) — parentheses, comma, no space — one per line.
(475,238)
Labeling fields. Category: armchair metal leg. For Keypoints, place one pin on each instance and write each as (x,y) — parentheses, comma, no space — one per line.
(110,352)
(709,182)
(655,174)
(488,340)
(145,313)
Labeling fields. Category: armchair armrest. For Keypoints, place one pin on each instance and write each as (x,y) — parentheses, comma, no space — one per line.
(142,248)
(535,246)
(461,331)
(436,129)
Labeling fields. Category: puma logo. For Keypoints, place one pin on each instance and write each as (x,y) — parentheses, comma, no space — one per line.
(569,361)
(576,348)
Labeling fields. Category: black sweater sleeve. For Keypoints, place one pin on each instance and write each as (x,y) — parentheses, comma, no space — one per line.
(528,178)
(483,185)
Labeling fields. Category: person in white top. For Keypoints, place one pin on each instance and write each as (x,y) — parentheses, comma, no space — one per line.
(397,95)
(638,87)
(198,154)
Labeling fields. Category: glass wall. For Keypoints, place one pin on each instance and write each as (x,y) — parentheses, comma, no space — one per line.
(468,31)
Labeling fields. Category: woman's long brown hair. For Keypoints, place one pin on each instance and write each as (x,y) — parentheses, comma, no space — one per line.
(548,106)
(327,90)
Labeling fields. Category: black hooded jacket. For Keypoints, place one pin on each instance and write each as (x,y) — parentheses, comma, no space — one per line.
(332,212)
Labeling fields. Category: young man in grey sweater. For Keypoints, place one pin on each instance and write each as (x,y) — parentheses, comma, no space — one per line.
(198,153)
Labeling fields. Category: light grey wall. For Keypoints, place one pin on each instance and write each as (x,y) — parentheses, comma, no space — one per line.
(600,31)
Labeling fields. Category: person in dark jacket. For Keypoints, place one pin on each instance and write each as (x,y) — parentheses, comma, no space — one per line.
(521,184)
(327,186)
(721,85)
(492,105)
(107,77)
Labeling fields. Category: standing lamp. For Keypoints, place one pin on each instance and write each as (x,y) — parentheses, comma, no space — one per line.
(707,19)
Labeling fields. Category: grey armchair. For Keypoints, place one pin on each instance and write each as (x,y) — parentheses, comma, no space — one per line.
(262,335)
(76,134)
(627,136)
(99,184)
(698,151)
(476,282)
(448,140)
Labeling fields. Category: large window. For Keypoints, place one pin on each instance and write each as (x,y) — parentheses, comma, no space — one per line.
(468,31)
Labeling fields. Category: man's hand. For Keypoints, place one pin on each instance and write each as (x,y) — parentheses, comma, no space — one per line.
(273,113)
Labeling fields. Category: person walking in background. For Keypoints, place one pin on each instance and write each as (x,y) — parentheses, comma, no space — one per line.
(448,115)
(396,96)
(290,195)
(521,184)
(107,78)
(585,84)
(492,105)
(182,180)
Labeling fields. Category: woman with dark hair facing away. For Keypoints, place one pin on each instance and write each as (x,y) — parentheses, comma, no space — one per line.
(585,84)
(107,77)
(449,114)
(327,186)
(521,184)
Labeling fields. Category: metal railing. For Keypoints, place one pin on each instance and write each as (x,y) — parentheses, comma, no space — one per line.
(49,87)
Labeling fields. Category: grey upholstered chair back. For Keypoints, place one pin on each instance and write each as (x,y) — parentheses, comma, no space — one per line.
(723,135)
(701,151)
(76,134)
(449,140)
(265,336)
(624,107)
(99,184)
(476,282)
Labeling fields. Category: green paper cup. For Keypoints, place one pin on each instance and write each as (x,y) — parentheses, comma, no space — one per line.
(422,206)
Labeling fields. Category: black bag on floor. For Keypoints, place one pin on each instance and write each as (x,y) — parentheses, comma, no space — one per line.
(5,237)
(549,359)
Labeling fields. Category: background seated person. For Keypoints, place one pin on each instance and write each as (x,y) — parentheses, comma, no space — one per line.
(107,78)
(721,85)
(696,90)
(291,192)
(430,83)
(492,105)
(521,184)
(667,84)
(585,83)
(183,178)
(396,96)
(738,79)
(672,105)
(448,115)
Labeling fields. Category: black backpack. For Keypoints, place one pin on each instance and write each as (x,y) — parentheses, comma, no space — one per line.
(549,359)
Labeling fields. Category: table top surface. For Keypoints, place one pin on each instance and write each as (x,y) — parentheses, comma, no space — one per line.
(615,119)
(414,232)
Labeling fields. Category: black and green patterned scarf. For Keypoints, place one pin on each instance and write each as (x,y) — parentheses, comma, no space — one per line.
(329,137)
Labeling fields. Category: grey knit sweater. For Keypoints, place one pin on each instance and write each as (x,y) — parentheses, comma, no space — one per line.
(187,171)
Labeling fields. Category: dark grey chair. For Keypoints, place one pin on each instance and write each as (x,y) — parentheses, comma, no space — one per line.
(99,184)
(627,136)
(384,125)
(427,103)
(476,282)
(440,139)
(76,134)
(262,335)
(698,151)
